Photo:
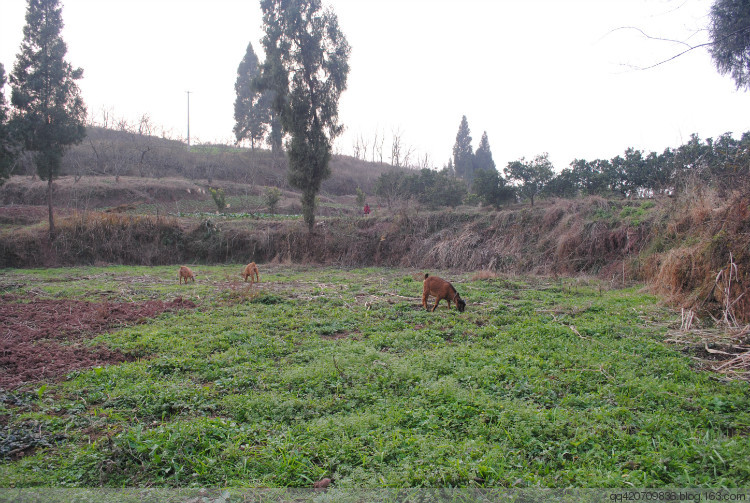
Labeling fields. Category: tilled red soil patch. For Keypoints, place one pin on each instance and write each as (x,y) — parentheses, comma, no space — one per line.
(43,339)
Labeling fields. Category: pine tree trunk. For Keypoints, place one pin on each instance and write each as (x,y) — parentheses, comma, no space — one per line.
(49,204)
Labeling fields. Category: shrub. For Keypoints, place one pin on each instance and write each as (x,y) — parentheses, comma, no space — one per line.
(219,199)
(361,196)
(272,197)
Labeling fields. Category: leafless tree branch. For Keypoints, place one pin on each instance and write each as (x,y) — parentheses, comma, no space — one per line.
(649,36)
(689,47)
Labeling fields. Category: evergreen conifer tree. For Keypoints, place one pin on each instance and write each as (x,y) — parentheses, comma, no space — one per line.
(251,112)
(483,155)
(49,113)
(306,66)
(463,155)
(8,146)
(729,31)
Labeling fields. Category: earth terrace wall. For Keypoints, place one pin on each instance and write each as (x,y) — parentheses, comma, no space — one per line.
(694,249)
(558,238)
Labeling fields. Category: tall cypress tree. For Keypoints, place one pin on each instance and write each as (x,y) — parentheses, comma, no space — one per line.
(483,155)
(307,63)
(463,154)
(8,146)
(253,114)
(250,114)
(49,112)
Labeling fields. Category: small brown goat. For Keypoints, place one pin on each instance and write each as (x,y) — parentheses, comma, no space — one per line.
(186,273)
(441,289)
(251,270)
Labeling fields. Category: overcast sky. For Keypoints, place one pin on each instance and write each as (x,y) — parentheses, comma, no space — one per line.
(554,76)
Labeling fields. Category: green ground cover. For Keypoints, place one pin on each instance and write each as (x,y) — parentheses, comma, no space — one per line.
(323,372)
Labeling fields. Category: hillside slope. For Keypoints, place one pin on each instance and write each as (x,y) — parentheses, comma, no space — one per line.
(125,153)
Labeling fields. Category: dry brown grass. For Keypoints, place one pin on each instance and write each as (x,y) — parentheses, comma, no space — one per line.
(98,191)
(732,294)
(708,268)
(569,243)
(680,270)
(484,275)
(91,237)
(233,291)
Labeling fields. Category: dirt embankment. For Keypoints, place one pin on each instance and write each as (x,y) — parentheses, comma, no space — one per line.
(97,192)
(680,245)
(556,237)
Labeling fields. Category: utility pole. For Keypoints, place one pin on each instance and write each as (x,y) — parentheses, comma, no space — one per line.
(188,118)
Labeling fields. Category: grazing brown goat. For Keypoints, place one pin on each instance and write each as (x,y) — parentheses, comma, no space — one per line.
(251,270)
(441,289)
(186,273)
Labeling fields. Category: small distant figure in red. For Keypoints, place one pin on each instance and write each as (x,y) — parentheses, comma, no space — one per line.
(367,209)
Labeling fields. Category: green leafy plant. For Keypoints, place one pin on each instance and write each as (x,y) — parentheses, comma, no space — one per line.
(340,373)
(361,197)
(219,199)
(271,197)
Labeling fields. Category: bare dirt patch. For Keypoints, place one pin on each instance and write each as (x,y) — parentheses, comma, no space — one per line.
(46,339)
(340,335)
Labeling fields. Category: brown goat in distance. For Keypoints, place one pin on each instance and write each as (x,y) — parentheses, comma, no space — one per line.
(440,289)
(186,273)
(251,270)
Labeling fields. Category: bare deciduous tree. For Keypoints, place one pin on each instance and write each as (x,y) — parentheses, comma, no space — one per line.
(143,142)
(407,156)
(377,146)
(106,114)
(424,162)
(357,148)
(364,145)
(396,148)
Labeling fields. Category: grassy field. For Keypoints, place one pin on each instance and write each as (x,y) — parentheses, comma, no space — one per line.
(322,372)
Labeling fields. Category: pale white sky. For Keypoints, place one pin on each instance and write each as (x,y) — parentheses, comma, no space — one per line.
(537,75)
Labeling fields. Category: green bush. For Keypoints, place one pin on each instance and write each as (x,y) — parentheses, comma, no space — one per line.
(219,199)
(271,197)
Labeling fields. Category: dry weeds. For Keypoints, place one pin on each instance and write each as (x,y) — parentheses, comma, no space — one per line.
(722,350)
(484,275)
